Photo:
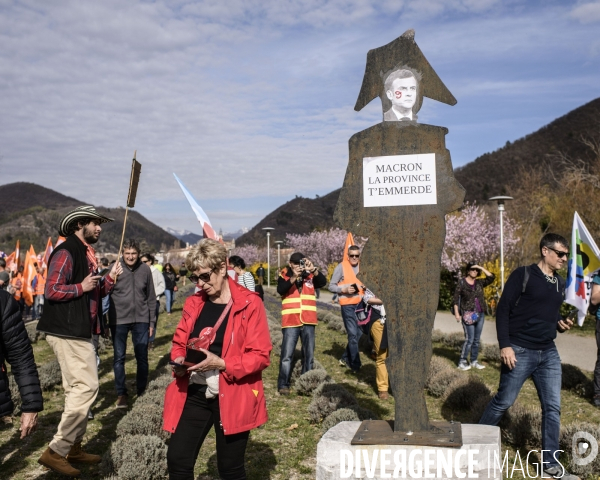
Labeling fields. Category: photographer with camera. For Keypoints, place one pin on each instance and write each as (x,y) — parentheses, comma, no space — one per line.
(296,285)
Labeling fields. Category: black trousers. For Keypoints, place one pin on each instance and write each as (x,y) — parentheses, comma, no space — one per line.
(198,417)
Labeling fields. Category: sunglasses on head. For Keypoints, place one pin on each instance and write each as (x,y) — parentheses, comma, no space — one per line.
(205,277)
(354,256)
(559,254)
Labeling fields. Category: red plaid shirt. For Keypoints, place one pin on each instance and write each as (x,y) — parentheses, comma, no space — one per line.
(60,289)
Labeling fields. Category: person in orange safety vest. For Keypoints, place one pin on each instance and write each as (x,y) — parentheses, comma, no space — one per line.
(345,283)
(39,284)
(296,285)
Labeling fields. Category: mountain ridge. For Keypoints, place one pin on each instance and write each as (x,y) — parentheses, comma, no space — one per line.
(31,213)
(490,174)
(494,173)
(297,216)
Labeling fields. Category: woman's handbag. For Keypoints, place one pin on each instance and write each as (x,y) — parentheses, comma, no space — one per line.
(470,317)
(363,314)
(204,340)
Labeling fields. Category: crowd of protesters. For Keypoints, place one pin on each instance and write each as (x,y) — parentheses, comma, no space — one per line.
(222,343)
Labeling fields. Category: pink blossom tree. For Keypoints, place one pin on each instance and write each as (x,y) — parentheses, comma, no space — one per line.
(322,248)
(253,254)
(474,235)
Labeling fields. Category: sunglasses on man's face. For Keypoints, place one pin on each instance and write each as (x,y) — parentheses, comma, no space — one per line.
(354,256)
(205,277)
(559,253)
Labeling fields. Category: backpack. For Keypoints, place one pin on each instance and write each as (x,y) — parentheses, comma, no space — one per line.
(526,279)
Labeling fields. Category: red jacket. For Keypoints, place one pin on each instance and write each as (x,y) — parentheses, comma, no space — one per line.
(246,351)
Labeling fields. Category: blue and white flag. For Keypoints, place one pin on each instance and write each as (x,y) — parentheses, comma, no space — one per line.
(584,263)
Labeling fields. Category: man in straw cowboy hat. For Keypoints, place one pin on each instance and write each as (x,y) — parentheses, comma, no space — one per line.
(74,292)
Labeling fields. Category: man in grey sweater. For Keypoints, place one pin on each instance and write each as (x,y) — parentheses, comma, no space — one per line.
(132,309)
(345,283)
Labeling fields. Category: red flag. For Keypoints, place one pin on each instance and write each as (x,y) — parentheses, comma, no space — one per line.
(18,253)
(49,249)
(29,273)
(12,261)
(11,264)
(60,240)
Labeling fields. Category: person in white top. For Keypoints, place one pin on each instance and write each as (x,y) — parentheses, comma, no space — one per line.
(245,279)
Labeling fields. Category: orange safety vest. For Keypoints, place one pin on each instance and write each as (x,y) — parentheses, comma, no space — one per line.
(17,283)
(40,285)
(349,279)
(299,308)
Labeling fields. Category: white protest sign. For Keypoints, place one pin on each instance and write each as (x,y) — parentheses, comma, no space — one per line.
(396,180)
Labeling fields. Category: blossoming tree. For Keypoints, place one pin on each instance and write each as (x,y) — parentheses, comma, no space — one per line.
(474,235)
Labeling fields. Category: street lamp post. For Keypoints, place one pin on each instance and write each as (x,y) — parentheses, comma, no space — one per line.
(268,230)
(279,242)
(501,199)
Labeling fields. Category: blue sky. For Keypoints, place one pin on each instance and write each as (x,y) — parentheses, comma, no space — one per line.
(251,102)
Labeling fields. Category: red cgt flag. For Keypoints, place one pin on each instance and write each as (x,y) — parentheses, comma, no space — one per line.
(29,273)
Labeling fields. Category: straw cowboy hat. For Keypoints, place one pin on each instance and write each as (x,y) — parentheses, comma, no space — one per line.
(80,213)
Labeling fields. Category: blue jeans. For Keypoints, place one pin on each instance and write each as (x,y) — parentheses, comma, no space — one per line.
(472,336)
(543,366)
(37,306)
(139,336)
(170,297)
(351,355)
(288,345)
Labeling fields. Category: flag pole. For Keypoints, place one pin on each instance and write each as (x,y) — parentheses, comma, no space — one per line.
(136,169)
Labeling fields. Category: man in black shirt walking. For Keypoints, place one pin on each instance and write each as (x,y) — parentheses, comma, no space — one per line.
(527,320)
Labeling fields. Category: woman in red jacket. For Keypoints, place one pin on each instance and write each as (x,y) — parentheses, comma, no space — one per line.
(225,389)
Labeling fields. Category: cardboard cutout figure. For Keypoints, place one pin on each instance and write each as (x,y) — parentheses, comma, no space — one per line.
(399,186)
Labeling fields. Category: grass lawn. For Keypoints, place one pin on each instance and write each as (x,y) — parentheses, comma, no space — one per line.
(284,448)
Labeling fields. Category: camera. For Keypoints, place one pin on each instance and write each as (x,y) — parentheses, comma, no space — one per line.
(305,273)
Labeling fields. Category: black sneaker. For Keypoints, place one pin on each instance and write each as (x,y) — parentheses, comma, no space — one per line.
(560,473)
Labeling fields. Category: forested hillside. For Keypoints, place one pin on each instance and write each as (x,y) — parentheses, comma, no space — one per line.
(31,213)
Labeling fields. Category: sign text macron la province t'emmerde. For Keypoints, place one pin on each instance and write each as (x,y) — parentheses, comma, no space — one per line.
(396,180)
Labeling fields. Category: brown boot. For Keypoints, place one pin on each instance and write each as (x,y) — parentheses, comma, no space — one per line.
(57,463)
(77,455)
(121,401)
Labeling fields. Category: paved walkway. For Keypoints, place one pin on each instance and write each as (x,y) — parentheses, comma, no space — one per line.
(573,349)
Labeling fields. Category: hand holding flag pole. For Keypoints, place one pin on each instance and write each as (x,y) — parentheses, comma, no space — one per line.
(134,179)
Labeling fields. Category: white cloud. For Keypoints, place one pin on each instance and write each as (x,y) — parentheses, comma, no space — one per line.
(587,12)
(241,97)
